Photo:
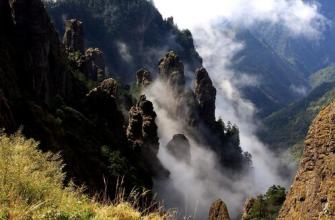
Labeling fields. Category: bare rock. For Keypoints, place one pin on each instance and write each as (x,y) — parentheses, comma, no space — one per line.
(218,211)
(312,195)
(180,148)
(171,70)
(74,36)
(247,208)
(143,77)
(92,64)
(206,94)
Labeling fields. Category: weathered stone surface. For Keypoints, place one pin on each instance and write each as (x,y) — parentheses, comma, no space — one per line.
(92,64)
(247,208)
(74,36)
(180,148)
(218,211)
(312,195)
(206,94)
(142,134)
(143,77)
(110,86)
(171,70)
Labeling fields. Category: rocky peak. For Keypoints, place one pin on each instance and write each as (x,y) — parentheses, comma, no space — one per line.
(312,195)
(206,94)
(143,136)
(110,86)
(171,69)
(180,148)
(218,211)
(142,128)
(74,36)
(143,77)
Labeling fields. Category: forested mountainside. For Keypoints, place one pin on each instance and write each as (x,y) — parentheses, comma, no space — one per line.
(285,130)
(277,81)
(60,95)
(132,34)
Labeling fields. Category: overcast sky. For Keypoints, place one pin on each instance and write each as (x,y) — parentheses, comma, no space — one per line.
(297,16)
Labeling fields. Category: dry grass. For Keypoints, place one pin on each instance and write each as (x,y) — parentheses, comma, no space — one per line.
(31,187)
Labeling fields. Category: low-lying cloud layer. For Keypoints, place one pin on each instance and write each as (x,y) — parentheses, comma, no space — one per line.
(298,16)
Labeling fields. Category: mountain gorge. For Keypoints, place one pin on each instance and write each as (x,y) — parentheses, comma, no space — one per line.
(122,98)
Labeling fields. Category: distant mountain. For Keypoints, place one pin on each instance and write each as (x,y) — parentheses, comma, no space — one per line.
(278,81)
(286,129)
(307,55)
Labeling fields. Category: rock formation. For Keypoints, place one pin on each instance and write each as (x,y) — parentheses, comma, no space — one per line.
(90,61)
(74,36)
(92,64)
(312,195)
(142,134)
(247,208)
(218,211)
(180,148)
(206,94)
(171,70)
(143,78)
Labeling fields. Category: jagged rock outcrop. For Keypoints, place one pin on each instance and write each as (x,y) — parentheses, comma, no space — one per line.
(171,70)
(142,134)
(206,94)
(90,61)
(247,208)
(312,195)
(180,148)
(143,78)
(74,36)
(142,128)
(218,211)
(92,64)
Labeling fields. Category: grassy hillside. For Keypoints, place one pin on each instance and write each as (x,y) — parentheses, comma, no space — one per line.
(32,188)
(287,128)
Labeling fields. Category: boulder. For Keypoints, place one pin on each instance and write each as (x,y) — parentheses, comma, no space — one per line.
(180,148)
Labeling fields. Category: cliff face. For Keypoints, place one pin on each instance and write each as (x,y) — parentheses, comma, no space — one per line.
(312,195)
(54,93)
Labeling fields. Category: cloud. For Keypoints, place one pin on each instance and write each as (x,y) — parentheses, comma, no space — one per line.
(298,16)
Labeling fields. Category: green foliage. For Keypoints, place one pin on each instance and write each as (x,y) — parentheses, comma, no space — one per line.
(324,75)
(32,188)
(288,127)
(267,207)
(132,34)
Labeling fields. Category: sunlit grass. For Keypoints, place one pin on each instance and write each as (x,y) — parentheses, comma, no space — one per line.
(31,187)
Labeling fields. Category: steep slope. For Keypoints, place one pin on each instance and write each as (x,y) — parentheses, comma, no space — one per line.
(45,94)
(312,195)
(132,34)
(287,128)
(278,82)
